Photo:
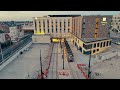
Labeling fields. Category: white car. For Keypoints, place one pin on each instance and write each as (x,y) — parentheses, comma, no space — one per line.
(118,43)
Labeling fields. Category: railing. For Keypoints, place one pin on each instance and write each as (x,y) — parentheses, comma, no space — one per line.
(13,49)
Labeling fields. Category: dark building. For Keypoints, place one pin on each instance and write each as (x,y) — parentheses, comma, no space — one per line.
(96,26)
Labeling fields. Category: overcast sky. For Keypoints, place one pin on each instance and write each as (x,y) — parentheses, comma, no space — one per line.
(27,15)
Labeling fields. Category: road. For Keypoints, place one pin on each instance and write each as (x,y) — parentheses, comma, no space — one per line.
(57,65)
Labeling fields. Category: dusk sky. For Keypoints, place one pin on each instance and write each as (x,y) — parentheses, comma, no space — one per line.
(27,15)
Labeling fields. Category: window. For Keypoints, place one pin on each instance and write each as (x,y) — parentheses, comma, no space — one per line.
(104,44)
(56,30)
(60,30)
(93,51)
(52,30)
(107,43)
(116,23)
(110,43)
(48,31)
(68,30)
(60,24)
(97,44)
(64,30)
(97,49)
(87,46)
(101,44)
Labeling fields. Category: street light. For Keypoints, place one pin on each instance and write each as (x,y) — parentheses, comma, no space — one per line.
(63,56)
(41,66)
(89,72)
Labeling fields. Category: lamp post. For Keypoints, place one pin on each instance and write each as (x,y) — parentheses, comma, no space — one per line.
(41,66)
(89,72)
(63,55)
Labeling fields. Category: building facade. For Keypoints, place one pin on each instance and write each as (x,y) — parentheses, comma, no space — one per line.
(53,25)
(96,26)
(28,27)
(79,29)
(4,27)
(16,32)
(77,26)
(116,22)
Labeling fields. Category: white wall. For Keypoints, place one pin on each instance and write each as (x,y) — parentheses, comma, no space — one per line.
(41,39)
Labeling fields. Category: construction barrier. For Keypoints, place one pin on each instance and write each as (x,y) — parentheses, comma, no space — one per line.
(79,66)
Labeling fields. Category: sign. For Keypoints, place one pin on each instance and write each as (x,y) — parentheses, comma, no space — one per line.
(104,21)
(64,74)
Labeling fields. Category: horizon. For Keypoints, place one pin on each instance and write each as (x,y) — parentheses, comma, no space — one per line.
(28,15)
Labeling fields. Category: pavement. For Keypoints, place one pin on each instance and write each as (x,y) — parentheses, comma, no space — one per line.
(27,63)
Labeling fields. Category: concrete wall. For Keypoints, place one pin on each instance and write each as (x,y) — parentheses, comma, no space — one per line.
(14,56)
(41,39)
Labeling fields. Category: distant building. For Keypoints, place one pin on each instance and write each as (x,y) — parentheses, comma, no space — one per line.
(116,22)
(16,32)
(4,37)
(4,27)
(28,27)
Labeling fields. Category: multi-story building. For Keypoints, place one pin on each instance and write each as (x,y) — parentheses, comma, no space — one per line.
(56,25)
(77,28)
(116,22)
(96,26)
(4,27)
(4,37)
(16,32)
(28,27)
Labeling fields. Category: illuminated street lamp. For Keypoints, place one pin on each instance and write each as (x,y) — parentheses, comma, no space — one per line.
(89,72)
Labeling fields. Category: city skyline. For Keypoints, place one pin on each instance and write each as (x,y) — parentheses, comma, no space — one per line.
(27,15)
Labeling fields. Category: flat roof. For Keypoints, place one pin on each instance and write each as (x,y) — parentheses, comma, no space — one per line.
(64,15)
(89,40)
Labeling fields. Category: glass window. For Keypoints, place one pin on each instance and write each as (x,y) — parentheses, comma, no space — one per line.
(107,43)
(104,44)
(48,31)
(93,51)
(97,49)
(95,45)
(110,43)
(101,44)
(68,30)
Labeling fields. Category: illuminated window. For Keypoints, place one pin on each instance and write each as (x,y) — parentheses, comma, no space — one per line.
(104,19)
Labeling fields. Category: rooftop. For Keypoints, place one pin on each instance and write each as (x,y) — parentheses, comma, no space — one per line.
(89,40)
(64,15)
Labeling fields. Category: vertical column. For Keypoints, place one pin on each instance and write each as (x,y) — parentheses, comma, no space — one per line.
(46,26)
(42,29)
(38,26)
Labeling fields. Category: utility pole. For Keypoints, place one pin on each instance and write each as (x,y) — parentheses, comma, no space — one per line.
(89,72)
(63,55)
(41,66)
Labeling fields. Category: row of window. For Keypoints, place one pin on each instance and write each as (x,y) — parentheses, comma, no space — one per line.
(57,30)
(102,44)
(117,17)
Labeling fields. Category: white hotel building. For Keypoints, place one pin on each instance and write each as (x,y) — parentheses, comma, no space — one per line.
(56,26)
